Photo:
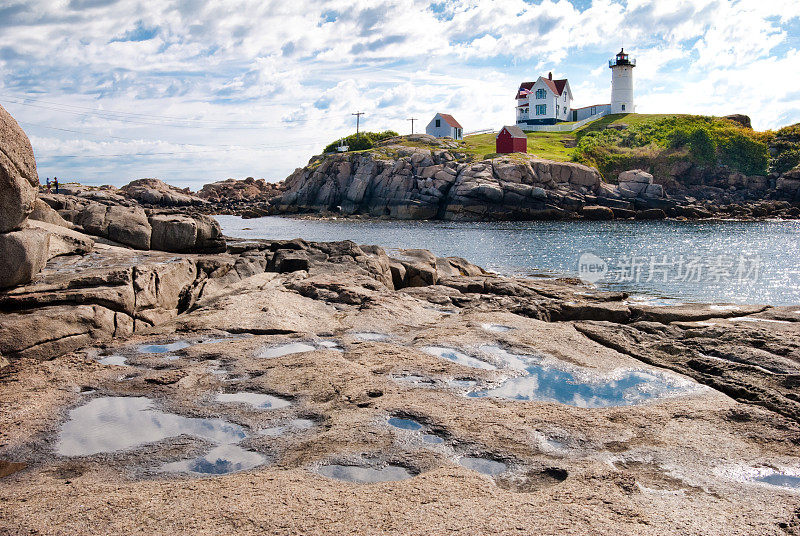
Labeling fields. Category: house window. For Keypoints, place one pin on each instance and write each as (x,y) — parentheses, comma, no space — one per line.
(565,97)
(541,94)
(438,123)
(541,109)
(623,107)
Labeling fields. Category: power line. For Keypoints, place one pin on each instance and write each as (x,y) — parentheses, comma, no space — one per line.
(235,147)
(175,153)
(412,119)
(158,120)
(116,112)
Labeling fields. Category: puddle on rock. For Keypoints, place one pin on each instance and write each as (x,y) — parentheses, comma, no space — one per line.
(496,328)
(371,336)
(162,348)
(411,425)
(111,424)
(782,480)
(256,400)
(221,460)
(580,387)
(451,354)
(285,349)
(509,359)
(404,424)
(414,379)
(365,475)
(118,360)
(753,319)
(483,465)
(462,383)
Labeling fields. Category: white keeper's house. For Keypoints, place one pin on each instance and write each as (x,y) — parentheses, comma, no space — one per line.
(548,101)
(544,102)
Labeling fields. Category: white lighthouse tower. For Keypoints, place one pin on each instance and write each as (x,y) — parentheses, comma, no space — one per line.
(622,83)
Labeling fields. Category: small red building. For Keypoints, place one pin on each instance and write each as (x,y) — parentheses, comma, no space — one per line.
(511,140)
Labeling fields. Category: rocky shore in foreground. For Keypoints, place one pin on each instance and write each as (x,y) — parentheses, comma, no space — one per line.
(431,385)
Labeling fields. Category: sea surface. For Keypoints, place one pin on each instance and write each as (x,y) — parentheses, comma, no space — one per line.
(659,262)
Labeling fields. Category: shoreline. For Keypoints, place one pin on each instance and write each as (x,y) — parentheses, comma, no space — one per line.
(522,249)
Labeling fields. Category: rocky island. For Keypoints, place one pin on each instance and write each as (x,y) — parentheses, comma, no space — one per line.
(158,377)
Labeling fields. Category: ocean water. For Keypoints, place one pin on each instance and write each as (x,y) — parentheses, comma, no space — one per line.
(661,262)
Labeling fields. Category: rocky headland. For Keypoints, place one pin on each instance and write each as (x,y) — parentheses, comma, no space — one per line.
(421,177)
(159,378)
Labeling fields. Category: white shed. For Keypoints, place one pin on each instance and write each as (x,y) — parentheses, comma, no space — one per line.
(443,125)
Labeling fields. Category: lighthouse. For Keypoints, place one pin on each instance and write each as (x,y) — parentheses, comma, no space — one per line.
(622,83)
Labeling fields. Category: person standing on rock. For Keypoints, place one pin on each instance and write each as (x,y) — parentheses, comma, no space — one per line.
(55,183)
(48,185)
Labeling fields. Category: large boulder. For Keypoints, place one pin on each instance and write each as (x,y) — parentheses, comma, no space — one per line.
(248,190)
(789,182)
(635,175)
(186,234)
(44,212)
(63,241)
(156,192)
(19,180)
(637,183)
(23,254)
(128,226)
(743,120)
(597,213)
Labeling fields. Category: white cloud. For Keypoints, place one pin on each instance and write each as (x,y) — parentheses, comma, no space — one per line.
(282,78)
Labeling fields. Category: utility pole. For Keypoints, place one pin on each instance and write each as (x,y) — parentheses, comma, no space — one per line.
(412,123)
(358,117)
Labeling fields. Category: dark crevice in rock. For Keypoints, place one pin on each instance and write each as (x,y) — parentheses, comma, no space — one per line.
(261,331)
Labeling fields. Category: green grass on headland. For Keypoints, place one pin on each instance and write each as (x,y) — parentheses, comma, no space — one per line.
(549,145)
(662,140)
(557,146)
(653,142)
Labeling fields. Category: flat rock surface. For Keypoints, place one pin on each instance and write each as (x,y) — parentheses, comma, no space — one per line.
(344,351)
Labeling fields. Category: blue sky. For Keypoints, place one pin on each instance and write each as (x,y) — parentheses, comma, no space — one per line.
(193,92)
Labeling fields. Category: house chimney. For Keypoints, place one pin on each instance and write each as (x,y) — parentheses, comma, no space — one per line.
(550,75)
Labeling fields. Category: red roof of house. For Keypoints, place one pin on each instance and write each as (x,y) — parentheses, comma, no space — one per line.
(450,120)
(556,86)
